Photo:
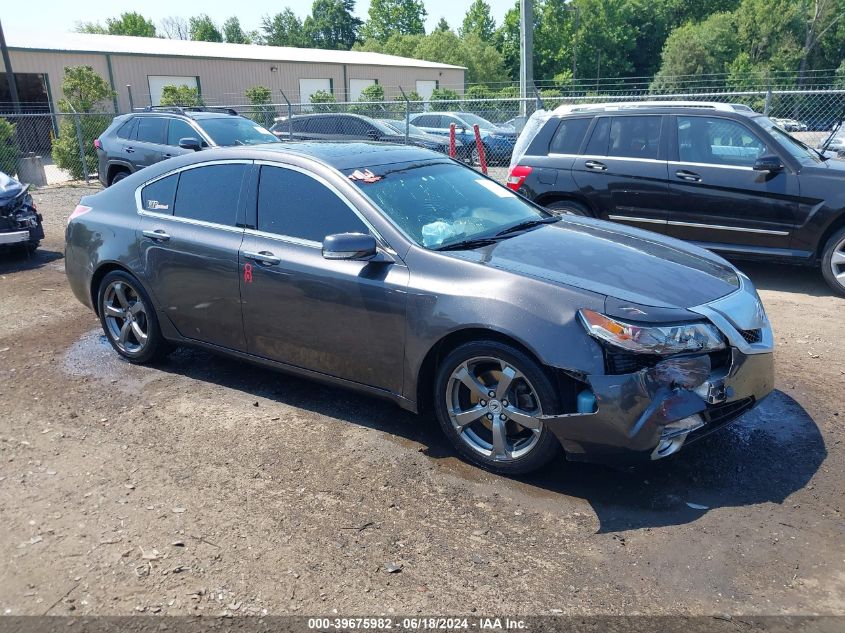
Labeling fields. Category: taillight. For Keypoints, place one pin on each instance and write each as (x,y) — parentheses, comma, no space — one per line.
(517,176)
(97,144)
(79,210)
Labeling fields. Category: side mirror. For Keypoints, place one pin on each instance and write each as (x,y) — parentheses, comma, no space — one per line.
(768,163)
(190,143)
(355,246)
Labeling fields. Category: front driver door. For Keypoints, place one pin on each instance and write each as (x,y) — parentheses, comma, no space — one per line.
(716,197)
(188,241)
(341,318)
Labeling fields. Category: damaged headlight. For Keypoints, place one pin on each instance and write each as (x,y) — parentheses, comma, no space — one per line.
(653,339)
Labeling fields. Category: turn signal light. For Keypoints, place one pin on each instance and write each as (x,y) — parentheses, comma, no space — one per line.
(517,176)
(79,210)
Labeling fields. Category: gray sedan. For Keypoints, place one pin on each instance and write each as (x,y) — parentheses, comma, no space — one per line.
(395,271)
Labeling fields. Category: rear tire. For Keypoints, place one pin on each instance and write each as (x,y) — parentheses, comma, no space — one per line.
(505,434)
(129,320)
(568,207)
(833,262)
(117,177)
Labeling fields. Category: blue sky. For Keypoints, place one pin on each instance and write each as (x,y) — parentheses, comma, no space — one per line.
(62,15)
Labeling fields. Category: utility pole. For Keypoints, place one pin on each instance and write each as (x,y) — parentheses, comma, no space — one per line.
(10,74)
(526,53)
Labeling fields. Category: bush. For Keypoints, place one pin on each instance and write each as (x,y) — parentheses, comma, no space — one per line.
(372,93)
(443,99)
(323,101)
(180,96)
(9,149)
(261,112)
(66,145)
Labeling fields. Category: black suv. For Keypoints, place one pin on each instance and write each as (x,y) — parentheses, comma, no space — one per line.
(137,140)
(728,180)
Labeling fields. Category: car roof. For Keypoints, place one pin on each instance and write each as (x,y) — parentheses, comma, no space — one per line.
(656,107)
(190,114)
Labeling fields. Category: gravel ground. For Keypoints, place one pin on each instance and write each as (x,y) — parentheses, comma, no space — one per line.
(205,485)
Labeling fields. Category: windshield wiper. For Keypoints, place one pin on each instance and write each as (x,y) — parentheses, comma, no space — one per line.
(527,225)
(467,244)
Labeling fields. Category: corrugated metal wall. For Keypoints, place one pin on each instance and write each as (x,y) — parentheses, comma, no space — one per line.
(224,81)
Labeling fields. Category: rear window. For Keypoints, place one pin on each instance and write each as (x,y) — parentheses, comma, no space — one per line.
(599,138)
(635,136)
(125,130)
(569,135)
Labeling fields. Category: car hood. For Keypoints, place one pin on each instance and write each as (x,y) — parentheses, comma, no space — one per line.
(621,262)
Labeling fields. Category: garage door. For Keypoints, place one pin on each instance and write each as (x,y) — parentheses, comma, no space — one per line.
(425,87)
(308,87)
(158,82)
(356,87)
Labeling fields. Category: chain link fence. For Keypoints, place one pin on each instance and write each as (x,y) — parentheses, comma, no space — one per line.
(49,148)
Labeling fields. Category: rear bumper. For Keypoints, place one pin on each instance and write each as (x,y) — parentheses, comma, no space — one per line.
(636,412)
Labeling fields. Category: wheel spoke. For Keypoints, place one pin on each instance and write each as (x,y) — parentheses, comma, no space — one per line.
(477,389)
(463,418)
(500,439)
(120,293)
(124,332)
(838,258)
(137,308)
(509,374)
(115,312)
(523,418)
(140,335)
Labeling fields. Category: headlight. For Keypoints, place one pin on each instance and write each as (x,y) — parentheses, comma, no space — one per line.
(653,339)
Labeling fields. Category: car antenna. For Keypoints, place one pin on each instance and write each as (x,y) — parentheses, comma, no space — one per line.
(833,132)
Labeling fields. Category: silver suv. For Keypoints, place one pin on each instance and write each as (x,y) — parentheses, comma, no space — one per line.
(137,140)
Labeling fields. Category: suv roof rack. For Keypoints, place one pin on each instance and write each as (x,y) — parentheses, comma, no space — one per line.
(632,105)
(186,109)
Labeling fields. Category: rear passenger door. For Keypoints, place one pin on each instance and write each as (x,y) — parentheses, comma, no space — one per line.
(623,170)
(150,141)
(189,236)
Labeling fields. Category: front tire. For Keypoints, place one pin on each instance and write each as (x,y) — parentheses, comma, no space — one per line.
(489,399)
(833,262)
(568,207)
(129,320)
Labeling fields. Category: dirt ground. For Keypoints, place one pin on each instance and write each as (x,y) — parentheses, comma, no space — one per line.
(205,485)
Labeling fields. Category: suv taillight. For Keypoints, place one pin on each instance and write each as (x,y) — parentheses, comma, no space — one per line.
(97,144)
(517,176)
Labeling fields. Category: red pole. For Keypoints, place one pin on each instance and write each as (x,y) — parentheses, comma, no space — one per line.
(452,149)
(480,147)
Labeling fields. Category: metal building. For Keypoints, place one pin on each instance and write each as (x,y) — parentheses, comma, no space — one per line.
(221,72)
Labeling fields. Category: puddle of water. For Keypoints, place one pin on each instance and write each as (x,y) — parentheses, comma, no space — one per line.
(92,356)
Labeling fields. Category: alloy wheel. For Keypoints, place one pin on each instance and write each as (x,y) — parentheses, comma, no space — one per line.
(837,262)
(494,409)
(126,317)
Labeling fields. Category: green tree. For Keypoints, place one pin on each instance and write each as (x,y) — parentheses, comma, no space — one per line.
(371,102)
(332,24)
(389,17)
(180,96)
(260,98)
(233,33)
(484,64)
(9,149)
(128,23)
(323,101)
(396,44)
(283,29)
(83,90)
(442,25)
(202,28)
(478,21)
(443,99)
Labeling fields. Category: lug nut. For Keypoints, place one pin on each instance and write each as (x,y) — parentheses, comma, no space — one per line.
(504,403)
(483,403)
(489,416)
(492,394)
(503,417)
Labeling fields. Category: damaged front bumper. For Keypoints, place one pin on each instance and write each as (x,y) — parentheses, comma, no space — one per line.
(653,412)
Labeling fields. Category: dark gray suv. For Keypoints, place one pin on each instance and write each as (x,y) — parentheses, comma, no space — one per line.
(401,273)
(137,140)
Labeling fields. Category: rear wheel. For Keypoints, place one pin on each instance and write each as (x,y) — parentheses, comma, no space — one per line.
(833,262)
(118,176)
(570,207)
(129,320)
(490,398)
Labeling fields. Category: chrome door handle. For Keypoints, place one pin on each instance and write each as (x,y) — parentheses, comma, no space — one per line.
(596,165)
(158,235)
(690,176)
(264,257)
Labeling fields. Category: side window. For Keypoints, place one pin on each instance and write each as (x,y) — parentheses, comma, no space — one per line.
(151,129)
(293,204)
(635,136)
(125,130)
(179,129)
(159,196)
(717,141)
(426,120)
(297,124)
(568,137)
(210,193)
(356,127)
(599,138)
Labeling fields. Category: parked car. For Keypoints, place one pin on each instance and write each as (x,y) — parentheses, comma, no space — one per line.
(790,125)
(418,137)
(350,127)
(140,139)
(398,272)
(20,223)
(498,142)
(730,181)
